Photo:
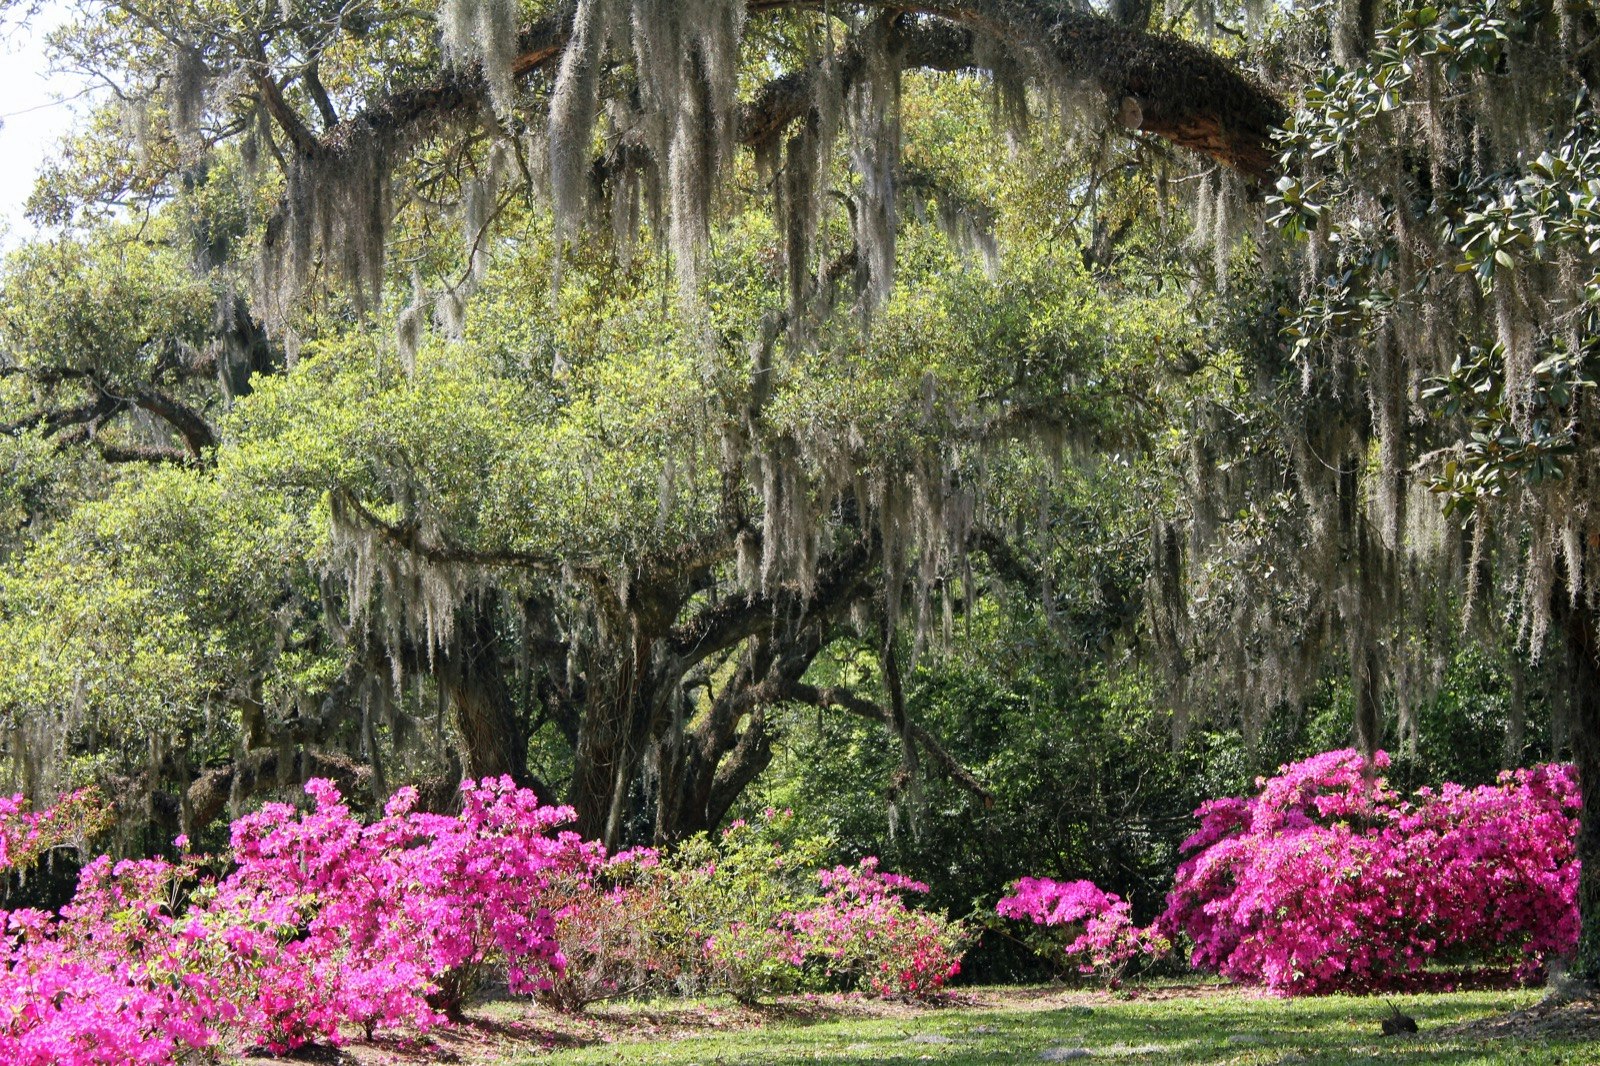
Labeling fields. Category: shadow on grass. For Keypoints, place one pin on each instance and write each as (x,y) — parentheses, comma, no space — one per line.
(1209,1026)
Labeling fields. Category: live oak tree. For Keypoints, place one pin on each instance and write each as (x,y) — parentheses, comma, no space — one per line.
(797,523)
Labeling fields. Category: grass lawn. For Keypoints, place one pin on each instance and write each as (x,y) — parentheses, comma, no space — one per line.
(1156,1024)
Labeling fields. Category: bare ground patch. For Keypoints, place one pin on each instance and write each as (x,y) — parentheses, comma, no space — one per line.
(1554,1018)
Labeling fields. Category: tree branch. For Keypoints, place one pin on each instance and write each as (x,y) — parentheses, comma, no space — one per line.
(736,618)
(1179,91)
(845,700)
(141,453)
(319,96)
(288,120)
(407,536)
(196,432)
(209,794)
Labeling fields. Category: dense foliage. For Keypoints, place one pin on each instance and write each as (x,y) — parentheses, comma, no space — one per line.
(747,914)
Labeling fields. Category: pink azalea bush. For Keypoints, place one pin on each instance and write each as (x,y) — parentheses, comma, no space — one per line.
(394,913)
(104,984)
(862,929)
(322,922)
(1328,880)
(26,836)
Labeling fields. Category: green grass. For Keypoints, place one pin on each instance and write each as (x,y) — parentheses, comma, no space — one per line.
(1013,1026)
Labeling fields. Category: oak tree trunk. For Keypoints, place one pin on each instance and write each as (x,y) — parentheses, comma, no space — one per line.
(493,738)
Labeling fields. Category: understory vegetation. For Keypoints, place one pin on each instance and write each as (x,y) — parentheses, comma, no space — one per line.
(315,926)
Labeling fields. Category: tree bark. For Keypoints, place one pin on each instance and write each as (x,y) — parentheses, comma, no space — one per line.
(1516,714)
(1577,623)
(493,740)
(687,761)
(612,732)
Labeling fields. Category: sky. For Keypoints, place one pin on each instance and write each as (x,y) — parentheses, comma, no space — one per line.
(35,111)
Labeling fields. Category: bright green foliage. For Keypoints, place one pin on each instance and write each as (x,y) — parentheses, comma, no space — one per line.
(116,306)
(730,899)
(133,626)
(1114,498)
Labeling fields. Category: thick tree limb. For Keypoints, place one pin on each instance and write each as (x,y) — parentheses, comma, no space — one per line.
(407,536)
(288,120)
(749,757)
(107,400)
(938,46)
(706,767)
(61,419)
(1178,91)
(141,453)
(736,619)
(196,432)
(209,794)
(1155,82)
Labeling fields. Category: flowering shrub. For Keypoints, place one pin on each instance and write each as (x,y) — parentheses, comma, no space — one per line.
(862,929)
(393,913)
(729,903)
(97,986)
(611,920)
(748,914)
(323,921)
(1099,925)
(1328,880)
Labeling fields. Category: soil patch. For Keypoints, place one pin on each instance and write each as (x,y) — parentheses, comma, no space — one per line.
(1559,1019)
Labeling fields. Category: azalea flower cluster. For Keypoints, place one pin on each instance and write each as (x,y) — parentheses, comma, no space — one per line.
(1103,938)
(27,835)
(321,922)
(1328,880)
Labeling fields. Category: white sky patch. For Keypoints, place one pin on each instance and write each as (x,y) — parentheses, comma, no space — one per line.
(37,109)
